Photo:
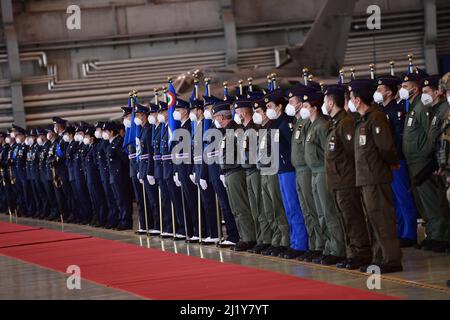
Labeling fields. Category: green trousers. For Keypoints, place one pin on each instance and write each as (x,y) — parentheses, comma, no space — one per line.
(328,216)
(436,211)
(316,239)
(262,225)
(240,207)
(274,210)
(380,212)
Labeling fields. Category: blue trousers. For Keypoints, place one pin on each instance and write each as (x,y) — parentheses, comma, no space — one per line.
(294,215)
(405,207)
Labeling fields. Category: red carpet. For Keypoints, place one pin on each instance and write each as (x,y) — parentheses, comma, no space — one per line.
(155,274)
(11,227)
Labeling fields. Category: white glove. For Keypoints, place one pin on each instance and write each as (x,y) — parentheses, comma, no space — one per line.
(141,181)
(203,184)
(192,176)
(151,180)
(222,178)
(176,180)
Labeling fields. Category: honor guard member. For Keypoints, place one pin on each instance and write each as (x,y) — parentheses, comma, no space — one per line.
(16,186)
(32,174)
(282,135)
(136,181)
(155,173)
(6,172)
(315,145)
(146,160)
(183,172)
(45,174)
(216,178)
(50,161)
(316,238)
(20,174)
(341,178)
(93,178)
(3,198)
(405,208)
(37,168)
(243,107)
(180,209)
(417,154)
(375,157)
(234,177)
(434,97)
(74,171)
(64,194)
(117,167)
(200,171)
(102,163)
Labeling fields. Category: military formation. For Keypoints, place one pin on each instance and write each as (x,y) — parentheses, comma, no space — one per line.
(333,174)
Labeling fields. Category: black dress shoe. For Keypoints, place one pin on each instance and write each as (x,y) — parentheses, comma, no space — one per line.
(292,254)
(353,264)
(306,255)
(407,243)
(332,260)
(258,248)
(121,228)
(243,246)
(316,255)
(318,260)
(277,251)
(268,251)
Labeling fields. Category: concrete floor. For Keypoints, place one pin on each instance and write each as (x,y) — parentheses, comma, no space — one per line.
(424,276)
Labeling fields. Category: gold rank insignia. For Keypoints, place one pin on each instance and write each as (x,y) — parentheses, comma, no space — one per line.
(406,78)
(305,97)
(256,105)
(290,94)
(426,82)
(266,100)
(377,130)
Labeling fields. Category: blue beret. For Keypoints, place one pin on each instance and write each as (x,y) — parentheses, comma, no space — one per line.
(59,120)
(139,108)
(415,76)
(195,103)
(247,103)
(211,100)
(70,130)
(255,95)
(335,89)
(389,81)
(126,110)
(153,107)
(18,129)
(298,91)
(221,106)
(312,96)
(182,104)
(163,106)
(275,96)
(432,81)
(361,86)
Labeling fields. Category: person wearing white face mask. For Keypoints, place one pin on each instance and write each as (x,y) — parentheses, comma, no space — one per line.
(303,174)
(432,191)
(375,157)
(77,179)
(287,213)
(171,181)
(143,169)
(341,179)
(405,208)
(214,175)
(234,177)
(6,194)
(93,179)
(315,145)
(118,165)
(183,171)
(34,199)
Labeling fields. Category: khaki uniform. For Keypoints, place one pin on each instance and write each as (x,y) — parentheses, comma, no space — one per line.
(374,155)
(237,191)
(341,178)
(316,237)
(421,132)
(315,145)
